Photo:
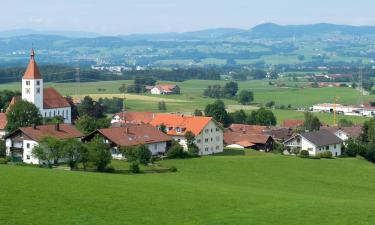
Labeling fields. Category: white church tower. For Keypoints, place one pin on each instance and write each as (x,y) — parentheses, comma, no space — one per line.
(32,84)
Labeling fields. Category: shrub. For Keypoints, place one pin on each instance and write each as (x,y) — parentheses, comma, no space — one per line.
(134,167)
(278,148)
(3,161)
(176,151)
(326,155)
(110,169)
(296,151)
(304,154)
(173,169)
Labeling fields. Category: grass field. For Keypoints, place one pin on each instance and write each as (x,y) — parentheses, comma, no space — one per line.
(254,188)
(191,97)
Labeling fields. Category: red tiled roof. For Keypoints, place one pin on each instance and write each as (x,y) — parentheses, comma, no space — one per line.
(136,117)
(293,123)
(166,87)
(195,124)
(53,99)
(3,121)
(134,134)
(65,131)
(32,71)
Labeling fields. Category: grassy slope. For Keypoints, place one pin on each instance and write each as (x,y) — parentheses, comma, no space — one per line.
(252,189)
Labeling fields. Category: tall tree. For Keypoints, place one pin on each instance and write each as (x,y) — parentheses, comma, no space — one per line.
(218,112)
(49,149)
(312,123)
(230,89)
(262,117)
(89,107)
(73,150)
(87,124)
(23,114)
(99,153)
(245,97)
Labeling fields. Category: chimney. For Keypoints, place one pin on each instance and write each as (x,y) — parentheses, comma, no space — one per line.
(57,126)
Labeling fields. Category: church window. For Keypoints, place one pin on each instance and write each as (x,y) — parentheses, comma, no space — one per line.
(38,82)
(28,83)
(38,90)
(27,90)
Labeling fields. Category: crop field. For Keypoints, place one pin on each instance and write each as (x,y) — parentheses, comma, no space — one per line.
(234,188)
(295,94)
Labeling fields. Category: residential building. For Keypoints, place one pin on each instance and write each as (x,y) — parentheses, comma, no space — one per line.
(165,89)
(315,143)
(20,143)
(133,135)
(47,100)
(208,133)
(132,118)
(3,124)
(344,133)
(242,139)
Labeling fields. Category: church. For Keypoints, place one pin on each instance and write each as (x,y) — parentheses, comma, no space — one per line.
(50,102)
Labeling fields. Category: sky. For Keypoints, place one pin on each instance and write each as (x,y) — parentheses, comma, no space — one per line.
(113,17)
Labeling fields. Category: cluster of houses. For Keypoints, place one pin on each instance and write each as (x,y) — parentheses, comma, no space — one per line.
(349,110)
(157,130)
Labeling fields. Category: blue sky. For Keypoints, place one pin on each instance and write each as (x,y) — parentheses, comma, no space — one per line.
(153,16)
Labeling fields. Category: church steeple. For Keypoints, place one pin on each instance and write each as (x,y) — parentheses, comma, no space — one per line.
(32,71)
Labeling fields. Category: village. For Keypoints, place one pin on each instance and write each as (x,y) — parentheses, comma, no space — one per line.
(156,131)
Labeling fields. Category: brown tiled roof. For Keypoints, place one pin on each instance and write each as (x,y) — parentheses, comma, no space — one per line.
(195,124)
(136,117)
(53,99)
(3,121)
(250,129)
(352,132)
(281,133)
(132,134)
(238,137)
(65,131)
(32,71)
(15,99)
(293,123)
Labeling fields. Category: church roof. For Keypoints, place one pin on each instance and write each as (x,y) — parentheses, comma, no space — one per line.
(32,71)
(52,99)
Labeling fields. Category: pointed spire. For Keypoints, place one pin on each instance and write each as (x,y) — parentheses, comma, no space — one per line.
(32,71)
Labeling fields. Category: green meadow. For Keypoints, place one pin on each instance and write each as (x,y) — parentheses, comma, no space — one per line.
(234,188)
(295,94)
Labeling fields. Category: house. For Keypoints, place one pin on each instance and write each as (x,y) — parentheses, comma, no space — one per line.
(133,135)
(344,133)
(315,142)
(20,143)
(165,89)
(3,124)
(132,118)
(242,139)
(255,129)
(49,102)
(208,133)
(280,134)
(292,124)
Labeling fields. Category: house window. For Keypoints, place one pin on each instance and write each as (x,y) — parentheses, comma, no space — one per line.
(49,113)
(156,146)
(38,90)
(327,147)
(217,138)
(217,129)
(206,131)
(334,146)
(217,147)
(178,130)
(199,141)
(38,82)
(206,149)
(28,145)
(212,139)
(206,140)
(28,83)
(27,90)
(212,130)
(27,156)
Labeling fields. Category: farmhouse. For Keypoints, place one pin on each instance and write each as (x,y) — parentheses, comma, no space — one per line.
(20,143)
(208,133)
(315,142)
(241,139)
(165,89)
(344,133)
(48,100)
(133,135)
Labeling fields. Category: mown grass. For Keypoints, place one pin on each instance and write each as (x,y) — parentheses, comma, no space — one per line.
(231,189)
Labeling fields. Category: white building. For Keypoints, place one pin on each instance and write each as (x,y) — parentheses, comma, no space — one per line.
(345,109)
(165,89)
(133,135)
(20,143)
(48,100)
(3,123)
(208,134)
(316,142)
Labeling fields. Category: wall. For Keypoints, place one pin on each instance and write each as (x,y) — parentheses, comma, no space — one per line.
(65,112)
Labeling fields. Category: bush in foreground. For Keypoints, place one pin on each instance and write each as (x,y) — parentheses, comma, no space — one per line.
(3,161)
(304,154)
(326,155)
(134,167)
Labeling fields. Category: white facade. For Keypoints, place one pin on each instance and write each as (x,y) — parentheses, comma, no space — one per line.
(156,149)
(66,113)
(26,146)
(209,141)
(301,143)
(156,91)
(32,91)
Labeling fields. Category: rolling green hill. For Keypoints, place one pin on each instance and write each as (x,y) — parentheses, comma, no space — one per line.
(255,188)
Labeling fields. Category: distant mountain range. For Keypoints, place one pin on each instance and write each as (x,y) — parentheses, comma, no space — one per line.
(266,30)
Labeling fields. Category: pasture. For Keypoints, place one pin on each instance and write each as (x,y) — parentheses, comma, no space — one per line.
(234,188)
